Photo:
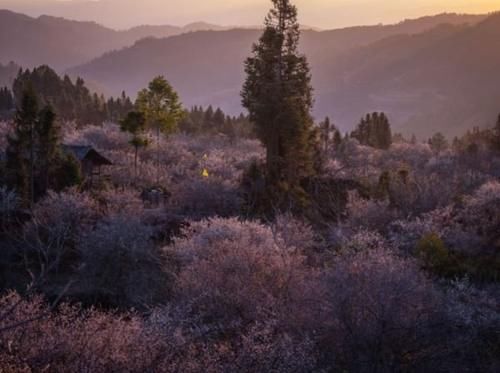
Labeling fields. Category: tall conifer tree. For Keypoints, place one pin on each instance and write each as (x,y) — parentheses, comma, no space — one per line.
(374,130)
(21,147)
(162,109)
(279,97)
(47,144)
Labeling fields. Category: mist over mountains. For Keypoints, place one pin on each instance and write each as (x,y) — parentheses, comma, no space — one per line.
(429,74)
(63,43)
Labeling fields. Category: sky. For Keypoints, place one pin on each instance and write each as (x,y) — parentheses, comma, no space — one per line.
(319,13)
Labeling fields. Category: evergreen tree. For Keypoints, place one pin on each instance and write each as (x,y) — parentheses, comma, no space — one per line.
(218,120)
(135,124)
(48,141)
(318,156)
(329,135)
(6,99)
(229,128)
(374,130)
(208,120)
(361,133)
(71,102)
(35,163)
(337,139)
(278,95)
(200,121)
(21,148)
(161,108)
(438,143)
(384,133)
(326,132)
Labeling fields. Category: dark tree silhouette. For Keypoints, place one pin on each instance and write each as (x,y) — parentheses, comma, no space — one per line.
(278,95)
(374,130)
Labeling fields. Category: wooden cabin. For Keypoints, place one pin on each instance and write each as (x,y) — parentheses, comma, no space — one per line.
(91,161)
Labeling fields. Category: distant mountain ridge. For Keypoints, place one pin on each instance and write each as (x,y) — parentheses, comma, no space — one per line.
(401,69)
(445,79)
(63,43)
(428,74)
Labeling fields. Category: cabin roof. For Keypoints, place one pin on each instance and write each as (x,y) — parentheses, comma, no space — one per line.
(86,152)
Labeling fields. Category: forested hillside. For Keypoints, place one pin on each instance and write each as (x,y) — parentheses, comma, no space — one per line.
(63,43)
(404,70)
(212,219)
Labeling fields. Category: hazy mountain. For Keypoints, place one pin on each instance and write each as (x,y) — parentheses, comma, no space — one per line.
(62,43)
(404,69)
(444,79)
(144,31)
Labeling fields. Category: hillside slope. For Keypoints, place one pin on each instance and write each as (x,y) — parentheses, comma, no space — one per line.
(426,78)
(62,43)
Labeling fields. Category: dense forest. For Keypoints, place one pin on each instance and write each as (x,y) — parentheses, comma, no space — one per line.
(141,235)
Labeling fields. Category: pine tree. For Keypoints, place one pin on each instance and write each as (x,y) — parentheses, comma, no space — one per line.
(6,100)
(374,130)
(162,109)
(228,128)
(71,102)
(438,143)
(278,95)
(48,140)
(384,133)
(35,162)
(197,116)
(317,152)
(21,148)
(208,120)
(326,129)
(361,133)
(218,119)
(337,139)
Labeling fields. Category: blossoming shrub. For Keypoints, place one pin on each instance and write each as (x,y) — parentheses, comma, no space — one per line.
(236,272)
(468,229)
(369,213)
(380,312)
(51,236)
(481,213)
(34,339)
